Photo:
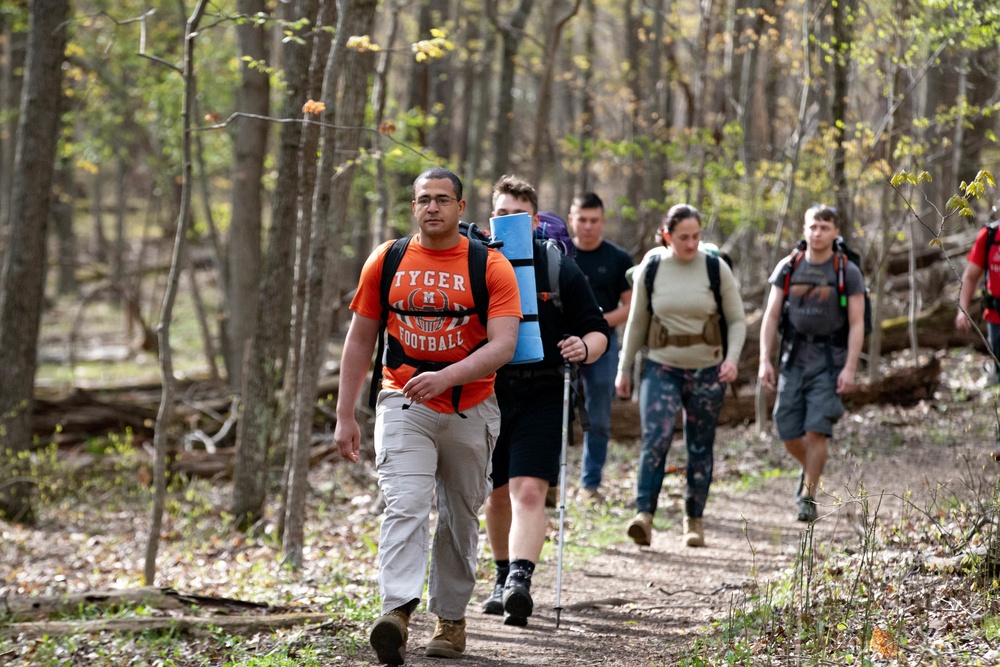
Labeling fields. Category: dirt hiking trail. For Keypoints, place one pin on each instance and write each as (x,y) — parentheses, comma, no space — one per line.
(626,605)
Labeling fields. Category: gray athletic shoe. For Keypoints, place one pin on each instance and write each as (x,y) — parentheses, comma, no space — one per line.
(807,509)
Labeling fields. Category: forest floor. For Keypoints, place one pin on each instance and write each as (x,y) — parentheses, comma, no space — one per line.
(892,573)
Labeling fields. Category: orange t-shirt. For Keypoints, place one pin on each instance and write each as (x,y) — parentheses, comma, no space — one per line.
(437,280)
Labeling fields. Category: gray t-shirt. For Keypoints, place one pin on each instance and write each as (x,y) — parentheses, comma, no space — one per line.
(814,307)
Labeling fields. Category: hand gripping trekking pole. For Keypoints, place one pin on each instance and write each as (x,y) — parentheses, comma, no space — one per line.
(567,375)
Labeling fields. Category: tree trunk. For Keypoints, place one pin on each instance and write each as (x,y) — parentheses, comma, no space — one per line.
(418,94)
(473,36)
(241,273)
(14,45)
(380,224)
(657,104)
(62,220)
(634,90)
(121,207)
(587,125)
(24,264)
(309,169)
(545,93)
(483,108)
(440,88)
(265,363)
(351,70)
(843,44)
(164,417)
(511,33)
(98,243)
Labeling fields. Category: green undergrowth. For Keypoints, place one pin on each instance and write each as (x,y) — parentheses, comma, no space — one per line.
(920,588)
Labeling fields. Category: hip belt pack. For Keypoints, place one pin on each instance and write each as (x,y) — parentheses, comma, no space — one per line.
(658,337)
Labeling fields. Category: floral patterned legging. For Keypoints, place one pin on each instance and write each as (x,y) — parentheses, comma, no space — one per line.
(663,392)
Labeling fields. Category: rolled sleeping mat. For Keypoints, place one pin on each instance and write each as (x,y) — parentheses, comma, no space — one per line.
(518,247)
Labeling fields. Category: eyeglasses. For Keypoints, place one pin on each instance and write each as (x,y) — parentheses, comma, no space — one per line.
(441,200)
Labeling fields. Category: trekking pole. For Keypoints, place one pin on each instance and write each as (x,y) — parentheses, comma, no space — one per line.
(562,484)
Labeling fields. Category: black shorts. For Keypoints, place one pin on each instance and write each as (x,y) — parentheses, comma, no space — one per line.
(530,439)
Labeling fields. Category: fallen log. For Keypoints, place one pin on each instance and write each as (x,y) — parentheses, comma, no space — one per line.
(935,330)
(82,414)
(935,327)
(194,625)
(954,247)
(16,608)
(905,387)
(219,464)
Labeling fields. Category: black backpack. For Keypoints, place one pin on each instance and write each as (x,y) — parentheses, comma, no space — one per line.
(712,265)
(392,354)
(842,253)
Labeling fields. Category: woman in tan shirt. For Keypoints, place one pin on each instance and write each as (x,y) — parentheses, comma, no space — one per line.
(686,367)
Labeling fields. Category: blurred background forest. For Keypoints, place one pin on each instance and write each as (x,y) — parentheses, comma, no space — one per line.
(236,160)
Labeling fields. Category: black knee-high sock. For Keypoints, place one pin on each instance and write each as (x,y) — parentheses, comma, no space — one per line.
(503,569)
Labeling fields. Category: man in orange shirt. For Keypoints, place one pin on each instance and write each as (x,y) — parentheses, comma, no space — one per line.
(437,418)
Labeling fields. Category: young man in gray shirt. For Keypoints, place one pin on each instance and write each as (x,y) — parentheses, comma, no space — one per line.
(821,345)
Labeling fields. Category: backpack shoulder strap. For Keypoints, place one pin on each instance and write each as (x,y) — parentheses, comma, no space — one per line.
(798,252)
(553,258)
(477,279)
(794,257)
(648,277)
(390,262)
(714,281)
(840,268)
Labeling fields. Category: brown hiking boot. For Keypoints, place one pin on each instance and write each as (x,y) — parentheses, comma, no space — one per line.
(694,532)
(641,529)
(388,637)
(448,640)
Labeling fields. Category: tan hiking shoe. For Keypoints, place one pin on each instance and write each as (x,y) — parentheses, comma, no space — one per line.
(448,640)
(641,529)
(388,637)
(591,496)
(694,532)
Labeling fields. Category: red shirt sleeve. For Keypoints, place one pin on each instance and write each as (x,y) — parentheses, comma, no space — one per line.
(977,255)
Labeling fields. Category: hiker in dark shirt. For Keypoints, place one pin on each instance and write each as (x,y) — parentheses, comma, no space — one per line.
(605,265)
(526,459)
